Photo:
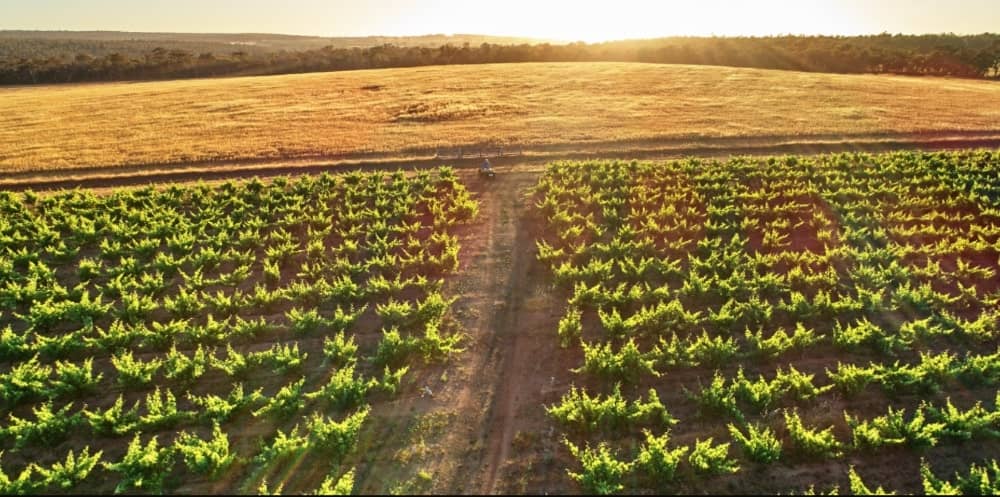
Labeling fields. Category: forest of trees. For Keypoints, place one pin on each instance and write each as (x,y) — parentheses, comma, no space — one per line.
(69,44)
(972,56)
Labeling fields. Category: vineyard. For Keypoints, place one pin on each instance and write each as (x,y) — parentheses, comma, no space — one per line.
(777,325)
(226,338)
(751,325)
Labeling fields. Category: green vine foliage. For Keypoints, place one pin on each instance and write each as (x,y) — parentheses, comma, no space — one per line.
(602,473)
(143,467)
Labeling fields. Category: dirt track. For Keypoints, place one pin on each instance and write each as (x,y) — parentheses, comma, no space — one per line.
(531,159)
(508,341)
(507,309)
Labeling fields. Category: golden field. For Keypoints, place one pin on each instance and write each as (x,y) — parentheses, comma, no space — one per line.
(412,111)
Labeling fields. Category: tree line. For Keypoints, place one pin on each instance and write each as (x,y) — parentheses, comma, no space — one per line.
(969,56)
(68,44)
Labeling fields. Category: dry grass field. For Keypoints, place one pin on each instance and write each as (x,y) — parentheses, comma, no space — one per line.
(401,112)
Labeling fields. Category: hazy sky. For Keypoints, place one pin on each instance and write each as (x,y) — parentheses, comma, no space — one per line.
(557,19)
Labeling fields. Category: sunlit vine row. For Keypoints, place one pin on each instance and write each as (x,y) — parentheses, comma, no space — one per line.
(748,292)
(155,336)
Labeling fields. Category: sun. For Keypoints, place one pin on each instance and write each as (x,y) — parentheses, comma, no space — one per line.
(599,21)
(603,21)
(610,20)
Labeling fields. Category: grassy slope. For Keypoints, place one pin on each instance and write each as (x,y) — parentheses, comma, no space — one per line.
(328,114)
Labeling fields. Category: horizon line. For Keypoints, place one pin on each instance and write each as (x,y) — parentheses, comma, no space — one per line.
(526,37)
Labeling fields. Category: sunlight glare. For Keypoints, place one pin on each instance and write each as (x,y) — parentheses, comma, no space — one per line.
(623,19)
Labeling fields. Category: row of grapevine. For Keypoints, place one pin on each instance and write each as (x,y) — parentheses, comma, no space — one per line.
(196,334)
(734,291)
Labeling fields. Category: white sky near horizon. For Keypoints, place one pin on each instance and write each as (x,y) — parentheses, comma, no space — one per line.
(553,19)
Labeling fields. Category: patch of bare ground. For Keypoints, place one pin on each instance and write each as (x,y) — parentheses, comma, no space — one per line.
(519,441)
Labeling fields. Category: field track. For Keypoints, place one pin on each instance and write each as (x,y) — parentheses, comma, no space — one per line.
(531,159)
